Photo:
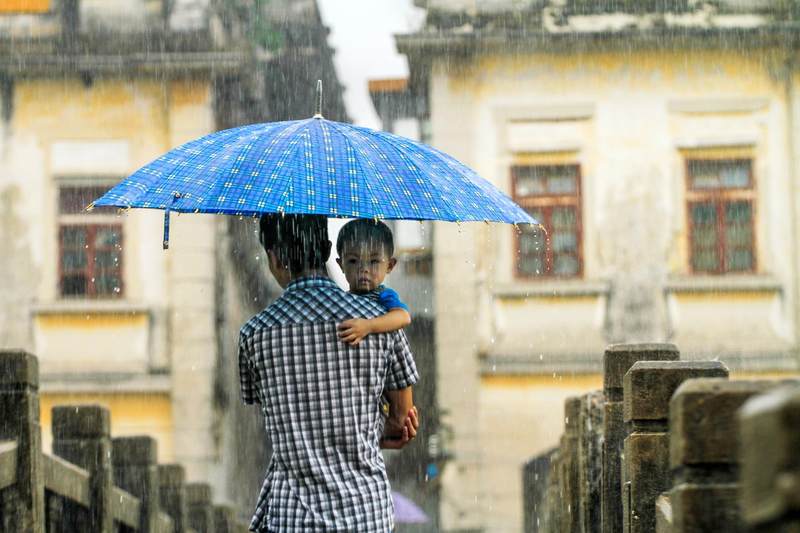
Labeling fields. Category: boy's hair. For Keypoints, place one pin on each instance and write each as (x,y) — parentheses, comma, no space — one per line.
(362,230)
(300,241)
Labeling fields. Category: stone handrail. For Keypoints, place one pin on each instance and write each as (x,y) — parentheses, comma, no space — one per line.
(91,483)
(670,446)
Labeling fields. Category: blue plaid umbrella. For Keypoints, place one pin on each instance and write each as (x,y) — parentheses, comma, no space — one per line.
(313,166)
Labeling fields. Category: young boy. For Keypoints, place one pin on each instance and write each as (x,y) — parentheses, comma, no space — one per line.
(366,250)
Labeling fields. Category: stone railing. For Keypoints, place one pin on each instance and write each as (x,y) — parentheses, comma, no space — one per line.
(92,482)
(670,446)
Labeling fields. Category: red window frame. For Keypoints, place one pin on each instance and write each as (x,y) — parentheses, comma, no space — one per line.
(545,203)
(72,200)
(91,271)
(720,198)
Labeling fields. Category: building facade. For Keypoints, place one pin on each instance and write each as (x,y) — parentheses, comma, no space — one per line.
(659,151)
(89,92)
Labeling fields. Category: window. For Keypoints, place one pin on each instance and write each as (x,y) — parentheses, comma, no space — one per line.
(89,245)
(551,194)
(720,209)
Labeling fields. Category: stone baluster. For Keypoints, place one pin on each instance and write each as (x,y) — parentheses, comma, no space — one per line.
(570,490)
(19,421)
(135,471)
(590,432)
(769,436)
(648,388)
(172,495)
(82,436)
(201,511)
(704,453)
(617,360)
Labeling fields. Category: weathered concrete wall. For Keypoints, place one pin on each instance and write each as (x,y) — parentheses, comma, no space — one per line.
(645,114)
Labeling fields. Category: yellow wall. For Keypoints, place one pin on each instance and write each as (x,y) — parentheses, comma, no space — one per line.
(131,414)
(24,6)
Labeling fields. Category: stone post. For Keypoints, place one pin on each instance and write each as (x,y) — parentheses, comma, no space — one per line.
(617,360)
(570,490)
(590,431)
(224,519)
(770,467)
(135,471)
(648,387)
(82,436)
(553,495)
(19,421)
(534,489)
(201,512)
(704,453)
(172,495)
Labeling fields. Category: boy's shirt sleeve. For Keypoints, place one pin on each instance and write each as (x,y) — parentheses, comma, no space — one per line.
(389,299)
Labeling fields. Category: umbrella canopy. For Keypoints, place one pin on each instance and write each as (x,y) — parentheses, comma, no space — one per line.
(314,166)
(406,511)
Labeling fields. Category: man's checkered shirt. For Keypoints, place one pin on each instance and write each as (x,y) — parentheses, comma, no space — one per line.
(321,401)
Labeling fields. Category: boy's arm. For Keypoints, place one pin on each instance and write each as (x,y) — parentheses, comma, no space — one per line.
(353,330)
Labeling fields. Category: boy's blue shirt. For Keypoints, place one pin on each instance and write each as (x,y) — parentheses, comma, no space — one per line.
(388,298)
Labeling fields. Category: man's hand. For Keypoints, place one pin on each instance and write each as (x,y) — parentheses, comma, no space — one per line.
(396,436)
(354,330)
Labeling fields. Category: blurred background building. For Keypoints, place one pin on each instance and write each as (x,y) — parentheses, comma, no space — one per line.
(89,91)
(657,144)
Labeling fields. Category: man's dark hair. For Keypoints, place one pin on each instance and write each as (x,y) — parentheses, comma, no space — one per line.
(300,241)
(362,230)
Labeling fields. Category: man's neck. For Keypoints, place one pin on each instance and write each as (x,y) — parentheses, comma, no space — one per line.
(311,273)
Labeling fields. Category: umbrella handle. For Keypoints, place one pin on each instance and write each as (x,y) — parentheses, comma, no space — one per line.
(175,196)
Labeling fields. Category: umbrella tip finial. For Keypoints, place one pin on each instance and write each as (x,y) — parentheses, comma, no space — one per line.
(318,114)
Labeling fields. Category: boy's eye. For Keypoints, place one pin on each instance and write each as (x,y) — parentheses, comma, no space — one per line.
(375,262)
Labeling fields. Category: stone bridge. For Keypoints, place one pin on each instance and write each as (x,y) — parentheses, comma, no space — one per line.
(92,483)
(671,446)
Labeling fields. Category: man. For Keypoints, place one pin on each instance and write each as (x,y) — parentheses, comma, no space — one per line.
(320,397)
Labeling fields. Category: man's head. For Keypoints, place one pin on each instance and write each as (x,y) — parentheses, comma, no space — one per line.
(295,244)
(365,249)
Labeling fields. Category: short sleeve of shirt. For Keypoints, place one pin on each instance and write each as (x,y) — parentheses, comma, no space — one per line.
(389,299)
(247,377)
(402,369)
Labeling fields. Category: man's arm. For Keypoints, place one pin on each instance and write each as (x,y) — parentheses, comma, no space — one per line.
(401,376)
(403,421)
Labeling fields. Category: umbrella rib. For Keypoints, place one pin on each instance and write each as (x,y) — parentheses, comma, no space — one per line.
(175,171)
(482,186)
(349,143)
(288,134)
(425,176)
(362,138)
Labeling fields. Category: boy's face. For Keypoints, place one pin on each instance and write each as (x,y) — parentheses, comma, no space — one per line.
(365,266)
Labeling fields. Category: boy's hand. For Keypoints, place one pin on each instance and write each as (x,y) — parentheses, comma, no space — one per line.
(354,330)
(395,437)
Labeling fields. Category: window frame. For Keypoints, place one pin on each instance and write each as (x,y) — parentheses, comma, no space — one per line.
(720,197)
(546,203)
(91,223)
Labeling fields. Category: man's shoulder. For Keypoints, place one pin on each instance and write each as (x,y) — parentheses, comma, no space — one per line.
(311,305)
